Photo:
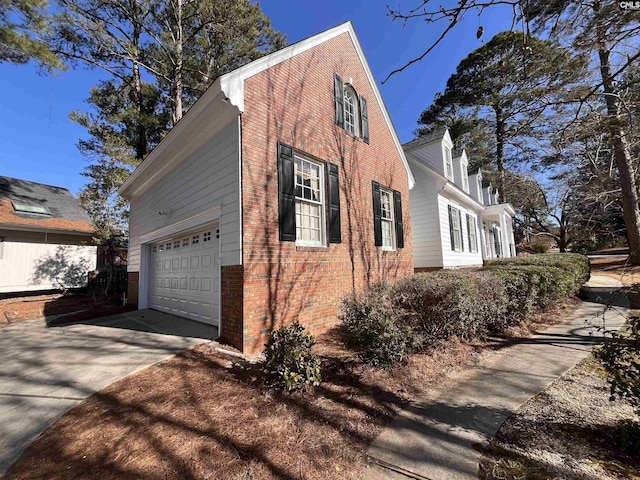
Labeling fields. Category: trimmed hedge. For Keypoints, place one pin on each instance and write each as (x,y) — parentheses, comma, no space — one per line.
(441,304)
(387,323)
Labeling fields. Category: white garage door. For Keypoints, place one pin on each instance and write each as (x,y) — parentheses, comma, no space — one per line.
(184,276)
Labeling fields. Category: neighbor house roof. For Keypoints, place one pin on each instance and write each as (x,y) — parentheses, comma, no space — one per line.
(229,88)
(28,205)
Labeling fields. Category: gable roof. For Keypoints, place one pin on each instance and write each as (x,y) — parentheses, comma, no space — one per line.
(229,88)
(437,134)
(65,213)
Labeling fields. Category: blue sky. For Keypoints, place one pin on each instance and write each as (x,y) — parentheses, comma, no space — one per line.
(38,141)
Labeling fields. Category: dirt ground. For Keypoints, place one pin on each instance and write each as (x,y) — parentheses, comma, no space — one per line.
(616,267)
(203,415)
(570,431)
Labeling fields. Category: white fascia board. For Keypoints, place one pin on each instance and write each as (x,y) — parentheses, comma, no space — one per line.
(232,83)
(208,98)
(500,208)
(448,187)
(446,139)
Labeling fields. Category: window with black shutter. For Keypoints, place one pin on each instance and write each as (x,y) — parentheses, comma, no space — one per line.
(388,228)
(309,203)
(351,110)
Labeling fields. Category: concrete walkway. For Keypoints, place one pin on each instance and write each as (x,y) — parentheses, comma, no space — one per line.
(438,438)
(46,371)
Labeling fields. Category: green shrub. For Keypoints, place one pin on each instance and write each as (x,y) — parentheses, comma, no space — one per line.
(370,326)
(290,365)
(575,263)
(521,292)
(620,357)
(438,305)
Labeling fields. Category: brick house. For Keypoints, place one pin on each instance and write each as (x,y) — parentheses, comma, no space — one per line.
(279,191)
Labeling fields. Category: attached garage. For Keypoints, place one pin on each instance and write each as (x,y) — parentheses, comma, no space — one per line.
(185,275)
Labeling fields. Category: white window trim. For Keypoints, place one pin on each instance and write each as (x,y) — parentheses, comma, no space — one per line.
(473,246)
(448,163)
(391,221)
(348,89)
(456,217)
(464,172)
(322,203)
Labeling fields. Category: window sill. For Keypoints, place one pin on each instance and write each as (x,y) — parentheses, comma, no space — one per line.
(311,248)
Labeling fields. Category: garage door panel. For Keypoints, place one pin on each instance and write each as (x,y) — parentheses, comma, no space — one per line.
(186,272)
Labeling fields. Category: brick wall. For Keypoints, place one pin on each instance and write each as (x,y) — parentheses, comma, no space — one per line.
(132,288)
(293,103)
(231,292)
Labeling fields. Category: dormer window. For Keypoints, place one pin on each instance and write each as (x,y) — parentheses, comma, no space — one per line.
(351,114)
(448,163)
(465,176)
(351,111)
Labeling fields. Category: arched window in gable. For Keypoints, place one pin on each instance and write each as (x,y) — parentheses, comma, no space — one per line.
(351,110)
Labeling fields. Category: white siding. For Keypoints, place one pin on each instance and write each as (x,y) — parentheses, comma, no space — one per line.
(208,178)
(450,258)
(431,155)
(27,266)
(425,229)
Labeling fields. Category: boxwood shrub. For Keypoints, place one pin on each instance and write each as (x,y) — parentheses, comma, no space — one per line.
(439,305)
(388,322)
(371,327)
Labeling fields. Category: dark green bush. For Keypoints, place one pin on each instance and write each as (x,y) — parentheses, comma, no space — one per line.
(369,323)
(438,305)
(521,292)
(290,365)
(576,264)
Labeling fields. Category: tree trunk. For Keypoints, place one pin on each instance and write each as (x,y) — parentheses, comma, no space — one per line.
(500,152)
(179,65)
(142,146)
(621,153)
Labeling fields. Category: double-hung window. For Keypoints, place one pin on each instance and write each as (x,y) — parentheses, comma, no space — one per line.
(448,163)
(309,200)
(471,231)
(388,229)
(465,176)
(455,229)
(386,206)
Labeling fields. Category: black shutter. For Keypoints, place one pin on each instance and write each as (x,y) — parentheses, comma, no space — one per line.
(364,116)
(377,214)
(286,194)
(469,231)
(453,237)
(338,93)
(461,235)
(335,235)
(397,207)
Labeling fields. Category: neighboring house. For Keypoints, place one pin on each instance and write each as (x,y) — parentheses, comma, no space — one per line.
(45,238)
(455,216)
(280,191)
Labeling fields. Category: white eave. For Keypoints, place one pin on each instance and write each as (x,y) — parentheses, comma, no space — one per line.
(229,88)
(450,188)
(500,208)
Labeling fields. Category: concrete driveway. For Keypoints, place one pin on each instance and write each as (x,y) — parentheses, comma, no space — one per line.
(46,371)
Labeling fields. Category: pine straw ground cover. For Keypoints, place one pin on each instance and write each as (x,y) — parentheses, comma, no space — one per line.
(617,268)
(200,415)
(569,431)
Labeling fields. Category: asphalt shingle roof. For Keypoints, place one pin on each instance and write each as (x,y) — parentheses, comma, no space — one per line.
(437,134)
(66,212)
